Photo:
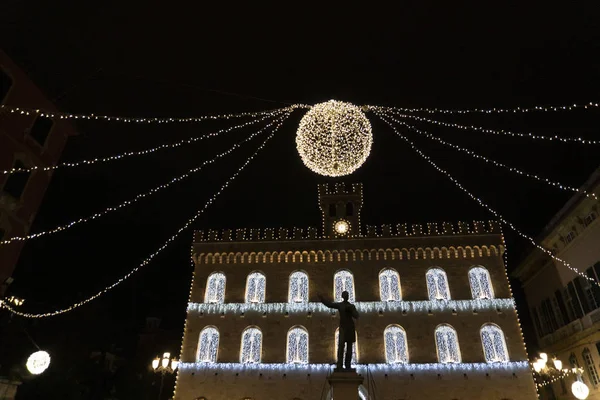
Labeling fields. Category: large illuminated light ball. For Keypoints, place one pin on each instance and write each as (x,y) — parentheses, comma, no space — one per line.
(334,138)
(38,362)
(580,390)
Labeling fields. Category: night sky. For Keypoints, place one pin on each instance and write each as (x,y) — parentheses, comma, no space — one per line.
(149,59)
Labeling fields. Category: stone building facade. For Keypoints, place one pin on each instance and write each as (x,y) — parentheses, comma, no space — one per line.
(255,329)
(565,307)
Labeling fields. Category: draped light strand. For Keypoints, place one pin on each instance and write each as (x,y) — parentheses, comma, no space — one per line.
(491,131)
(481,203)
(140,196)
(149,120)
(495,110)
(159,250)
(141,152)
(499,164)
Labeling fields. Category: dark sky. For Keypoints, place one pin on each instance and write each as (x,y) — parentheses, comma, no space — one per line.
(168,59)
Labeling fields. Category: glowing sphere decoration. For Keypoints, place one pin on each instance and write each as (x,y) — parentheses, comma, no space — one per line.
(38,362)
(580,390)
(334,138)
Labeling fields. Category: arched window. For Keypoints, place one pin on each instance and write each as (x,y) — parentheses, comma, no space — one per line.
(446,342)
(437,284)
(215,288)
(251,349)
(298,288)
(389,285)
(343,281)
(208,345)
(590,366)
(494,345)
(481,284)
(354,348)
(297,345)
(396,350)
(255,288)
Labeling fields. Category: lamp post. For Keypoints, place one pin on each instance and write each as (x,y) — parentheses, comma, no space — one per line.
(550,372)
(164,366)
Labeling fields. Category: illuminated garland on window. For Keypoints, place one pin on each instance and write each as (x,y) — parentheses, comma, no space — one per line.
(494,345)
(251,348)
(481,203)
(481,284)
(437,284)
(142,195)
(396,350)
(354,360)
(297,346)
(421,306)
(158,251)
(343,281)
(208,345)
(298,287)
(494,110)
(215,288)
(389,285)
(446,343)
(255,288)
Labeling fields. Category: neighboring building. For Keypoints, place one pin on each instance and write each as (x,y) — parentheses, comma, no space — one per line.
(25,141)
(437,319)
(565,306)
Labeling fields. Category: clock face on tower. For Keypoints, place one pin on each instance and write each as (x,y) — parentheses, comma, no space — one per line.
(341,227)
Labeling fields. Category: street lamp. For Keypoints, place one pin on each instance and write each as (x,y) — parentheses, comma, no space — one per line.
(549,373)
(164,366)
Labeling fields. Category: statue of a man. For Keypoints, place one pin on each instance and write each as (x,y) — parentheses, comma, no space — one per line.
(347,334)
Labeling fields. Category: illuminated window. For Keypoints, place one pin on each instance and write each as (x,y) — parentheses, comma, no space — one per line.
(354,348)
(396,350)
(494,345)
(215,288)
(590,366)
(251,348)
(298,288)
(208,345)
(343,281)
(255,288)
(437,284)
(389,285)
(297,345)
(481,284)
(446,342)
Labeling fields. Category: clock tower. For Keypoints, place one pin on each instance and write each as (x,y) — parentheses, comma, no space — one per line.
(340,210)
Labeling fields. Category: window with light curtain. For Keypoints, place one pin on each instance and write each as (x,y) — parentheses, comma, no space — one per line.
(208,345)
(481,283)
(343,281)
(446,342)
(396,350)
(389,285)
(494,344)
(255,288)
(297,345)
(298,288)
(437,284)
(251,348)
(215,288)
(354,348)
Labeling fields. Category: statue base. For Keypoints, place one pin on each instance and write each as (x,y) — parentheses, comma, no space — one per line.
(344,383)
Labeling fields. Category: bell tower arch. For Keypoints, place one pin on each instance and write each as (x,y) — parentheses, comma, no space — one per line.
(340,209)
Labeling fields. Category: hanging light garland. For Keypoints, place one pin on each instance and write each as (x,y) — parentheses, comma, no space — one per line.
(148,259)
(142,152)
(142,195)
(334,138)
(495,110)
(139,120)
(481,203)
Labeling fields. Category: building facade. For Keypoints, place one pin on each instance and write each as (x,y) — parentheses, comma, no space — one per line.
(564,305)
(25,141)
(437,319)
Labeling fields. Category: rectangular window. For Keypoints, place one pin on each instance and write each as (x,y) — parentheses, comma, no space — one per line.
(562,307)
(581,294)
(570,236)
(589,363)
(551,316)
(592,291)
(576,305)
(558,313)
(589,218)
(598,347)
(5,84)
(40,129)
(536,321)
(15,184)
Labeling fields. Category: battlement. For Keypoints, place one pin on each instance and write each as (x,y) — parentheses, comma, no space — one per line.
(383,231)
(340,188)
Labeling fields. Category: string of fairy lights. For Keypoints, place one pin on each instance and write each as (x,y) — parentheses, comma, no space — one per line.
(149,258)
(142,195)
(496,110)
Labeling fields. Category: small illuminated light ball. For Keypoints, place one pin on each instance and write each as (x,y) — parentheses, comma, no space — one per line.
(341,227)
(580,390)
(334,138)
(38,362)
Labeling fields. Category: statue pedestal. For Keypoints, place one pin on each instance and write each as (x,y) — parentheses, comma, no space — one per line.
(344,384)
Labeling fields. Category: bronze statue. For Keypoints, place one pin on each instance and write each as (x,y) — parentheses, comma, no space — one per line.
(347,334)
